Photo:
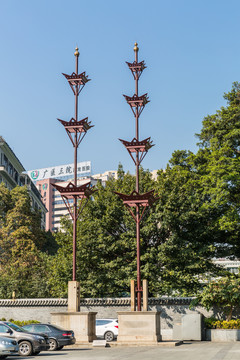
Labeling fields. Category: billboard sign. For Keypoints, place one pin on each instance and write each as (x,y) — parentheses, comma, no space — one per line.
(59,172)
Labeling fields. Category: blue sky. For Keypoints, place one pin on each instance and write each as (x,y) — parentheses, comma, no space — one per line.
(192,53)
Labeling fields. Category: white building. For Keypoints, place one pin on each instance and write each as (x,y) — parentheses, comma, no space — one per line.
(12,174)
(230,265)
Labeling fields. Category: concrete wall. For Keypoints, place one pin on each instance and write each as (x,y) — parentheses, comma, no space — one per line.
(40,309)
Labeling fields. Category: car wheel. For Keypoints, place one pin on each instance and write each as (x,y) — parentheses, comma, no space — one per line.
(109,336)
(60,347)
(25,348)
(53,345)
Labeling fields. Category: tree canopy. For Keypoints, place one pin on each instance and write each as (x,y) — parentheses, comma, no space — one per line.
(195,220)
(22,242)
(223,293)
(199,200)
(106,255)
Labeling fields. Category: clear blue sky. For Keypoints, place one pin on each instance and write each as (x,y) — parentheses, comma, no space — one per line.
(192,52)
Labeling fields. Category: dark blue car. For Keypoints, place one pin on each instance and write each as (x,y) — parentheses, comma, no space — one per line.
(58,337)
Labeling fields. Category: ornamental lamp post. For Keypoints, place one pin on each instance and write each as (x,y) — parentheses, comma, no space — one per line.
(75,197)
(137,150)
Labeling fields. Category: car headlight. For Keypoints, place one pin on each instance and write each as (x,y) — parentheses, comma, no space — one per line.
(6,342)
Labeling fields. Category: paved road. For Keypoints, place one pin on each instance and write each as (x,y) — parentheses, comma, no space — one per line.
(187,351)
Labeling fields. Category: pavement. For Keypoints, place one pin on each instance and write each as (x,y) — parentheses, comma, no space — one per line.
(187,351)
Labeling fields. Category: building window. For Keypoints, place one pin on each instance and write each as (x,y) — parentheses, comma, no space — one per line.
(58,215)
(60,208)
(56,196)
(15,176)
(5,161)
(10,169)
(62,202)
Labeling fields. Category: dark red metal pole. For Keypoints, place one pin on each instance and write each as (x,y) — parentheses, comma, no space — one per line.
(75,176)
(139,287)
(140,148)
(76,131)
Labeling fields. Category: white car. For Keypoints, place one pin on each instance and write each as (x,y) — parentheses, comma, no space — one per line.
(107,329)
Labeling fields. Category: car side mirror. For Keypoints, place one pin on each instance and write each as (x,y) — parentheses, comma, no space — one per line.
(9,331)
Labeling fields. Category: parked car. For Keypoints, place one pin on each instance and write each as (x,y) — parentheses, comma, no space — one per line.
(29,343)
(107,329)
(58,337)
(8,347)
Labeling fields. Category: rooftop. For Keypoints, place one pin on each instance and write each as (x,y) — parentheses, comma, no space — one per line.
(2,143)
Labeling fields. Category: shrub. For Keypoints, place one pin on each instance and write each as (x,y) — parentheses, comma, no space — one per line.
(24,322)
(21,323)
(212,323)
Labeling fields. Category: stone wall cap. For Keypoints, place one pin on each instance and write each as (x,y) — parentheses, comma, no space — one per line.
(33,302)
(160,301)
(138,312)
(77,313)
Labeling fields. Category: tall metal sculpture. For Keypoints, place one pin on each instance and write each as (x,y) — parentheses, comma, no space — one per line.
(74,196)
(137,150)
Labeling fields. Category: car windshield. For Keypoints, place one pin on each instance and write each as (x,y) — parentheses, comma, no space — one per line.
(15,327)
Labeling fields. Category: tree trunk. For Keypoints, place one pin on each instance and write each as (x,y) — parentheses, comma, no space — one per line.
(229,315)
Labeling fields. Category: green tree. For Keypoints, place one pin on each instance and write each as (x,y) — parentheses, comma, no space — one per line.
(195,220)
(106,256)
(187,247)
(198,208)
(22,263)
(218,160)
(5,203)
(223,293)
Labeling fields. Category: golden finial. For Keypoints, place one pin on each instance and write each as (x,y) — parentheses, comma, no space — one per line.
(13,296)
(136,47)
(76,52)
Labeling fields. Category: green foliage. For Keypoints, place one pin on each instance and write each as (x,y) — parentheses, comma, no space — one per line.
(187,229)
(22,261)
(106,254)
(218,161)
(21,322)
(211,323)
(196,219)
(199,202)
(223,293)
(24,322)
